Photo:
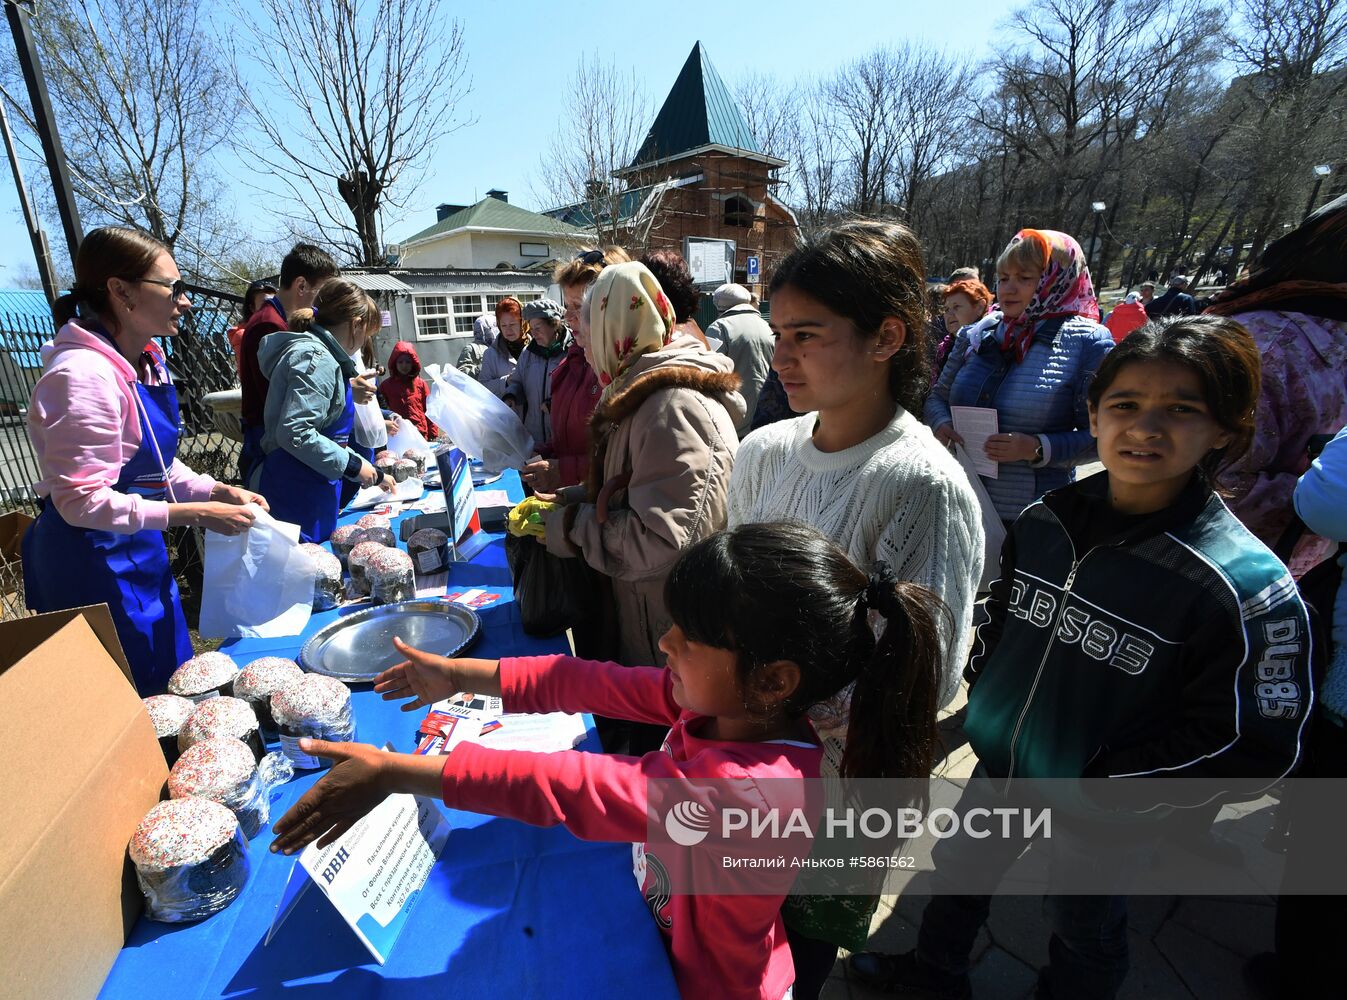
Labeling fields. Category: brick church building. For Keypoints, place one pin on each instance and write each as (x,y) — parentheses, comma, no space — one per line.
(698,174)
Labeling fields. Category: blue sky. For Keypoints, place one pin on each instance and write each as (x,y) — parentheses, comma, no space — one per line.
(521,56)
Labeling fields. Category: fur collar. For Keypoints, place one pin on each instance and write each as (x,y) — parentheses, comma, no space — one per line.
(627,400)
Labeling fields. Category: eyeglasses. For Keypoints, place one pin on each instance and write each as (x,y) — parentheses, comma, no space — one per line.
(177,288)
(590,257)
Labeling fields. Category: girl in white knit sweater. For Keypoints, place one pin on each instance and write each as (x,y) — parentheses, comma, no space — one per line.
(848,313)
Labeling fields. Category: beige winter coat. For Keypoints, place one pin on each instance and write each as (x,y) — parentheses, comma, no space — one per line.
(664,445)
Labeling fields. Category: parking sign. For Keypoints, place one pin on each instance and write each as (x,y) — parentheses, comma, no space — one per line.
(753,270)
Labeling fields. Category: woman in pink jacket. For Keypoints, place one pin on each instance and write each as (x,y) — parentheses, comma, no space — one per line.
(104,425)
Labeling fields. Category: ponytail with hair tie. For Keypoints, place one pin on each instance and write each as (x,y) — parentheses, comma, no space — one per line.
(880,593)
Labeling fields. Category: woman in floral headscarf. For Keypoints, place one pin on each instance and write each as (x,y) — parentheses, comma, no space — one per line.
(1030,359)
(663,446)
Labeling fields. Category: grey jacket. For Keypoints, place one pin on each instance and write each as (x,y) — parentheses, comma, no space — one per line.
(747,340)
(470,359)
(530,386)
(307,392)
(497,364)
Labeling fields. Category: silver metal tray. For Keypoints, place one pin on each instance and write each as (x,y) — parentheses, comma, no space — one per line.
(358,647)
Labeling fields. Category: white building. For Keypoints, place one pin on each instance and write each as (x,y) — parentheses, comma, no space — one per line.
(454,271)
(488,235)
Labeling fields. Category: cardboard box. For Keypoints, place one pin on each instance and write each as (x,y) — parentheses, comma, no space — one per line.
(82,766)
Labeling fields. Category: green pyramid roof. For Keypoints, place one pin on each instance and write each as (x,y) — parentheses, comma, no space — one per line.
(492,213)
(699,111)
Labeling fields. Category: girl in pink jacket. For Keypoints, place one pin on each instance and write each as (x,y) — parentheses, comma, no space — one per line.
(769,620)
(104,424)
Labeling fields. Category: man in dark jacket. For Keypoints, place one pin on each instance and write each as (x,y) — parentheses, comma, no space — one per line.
(303,272)
(1175,302)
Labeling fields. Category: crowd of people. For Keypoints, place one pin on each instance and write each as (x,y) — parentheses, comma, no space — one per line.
(789,538)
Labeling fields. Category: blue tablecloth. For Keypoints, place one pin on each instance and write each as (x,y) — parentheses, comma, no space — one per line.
(509,910)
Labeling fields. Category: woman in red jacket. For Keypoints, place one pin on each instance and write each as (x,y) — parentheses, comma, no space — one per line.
(564,460)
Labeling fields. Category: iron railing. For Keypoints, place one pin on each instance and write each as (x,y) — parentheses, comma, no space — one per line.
(200,360)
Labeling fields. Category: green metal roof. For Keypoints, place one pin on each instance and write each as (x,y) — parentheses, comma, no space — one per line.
(492,213)
(699,111)
(581,213)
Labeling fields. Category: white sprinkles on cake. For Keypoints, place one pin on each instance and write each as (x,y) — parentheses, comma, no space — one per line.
(212,769)
(265,676)
(168,712)
(427,538)
(327,566)
(218,717)
(364,551)
(342,536)
(388,563)
(312,697)
(374,521)
(181,832)
(202,673)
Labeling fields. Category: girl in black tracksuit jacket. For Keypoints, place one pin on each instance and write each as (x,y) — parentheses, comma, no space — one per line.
(1137,630)
(1164,643)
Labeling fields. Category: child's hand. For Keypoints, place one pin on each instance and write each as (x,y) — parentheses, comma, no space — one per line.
(353,787)
(426,678)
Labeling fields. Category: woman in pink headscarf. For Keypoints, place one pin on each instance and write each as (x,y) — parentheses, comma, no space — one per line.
(1031,360)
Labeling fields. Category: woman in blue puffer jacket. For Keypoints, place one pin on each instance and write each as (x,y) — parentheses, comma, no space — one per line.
(1031,359)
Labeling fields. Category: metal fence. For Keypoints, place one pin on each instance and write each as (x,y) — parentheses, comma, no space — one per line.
(200,360)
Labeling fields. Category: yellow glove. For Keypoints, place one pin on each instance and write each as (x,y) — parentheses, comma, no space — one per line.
(528,517)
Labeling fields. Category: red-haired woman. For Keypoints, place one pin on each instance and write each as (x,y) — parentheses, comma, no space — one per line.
(966,302)
(501,357)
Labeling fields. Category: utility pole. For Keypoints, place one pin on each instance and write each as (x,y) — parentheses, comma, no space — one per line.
(52,151)
(35,233)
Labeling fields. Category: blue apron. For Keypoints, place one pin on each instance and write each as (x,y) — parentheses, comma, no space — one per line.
(301,496)
(65,566)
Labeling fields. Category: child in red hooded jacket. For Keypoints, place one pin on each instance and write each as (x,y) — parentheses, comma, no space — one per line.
(404,392)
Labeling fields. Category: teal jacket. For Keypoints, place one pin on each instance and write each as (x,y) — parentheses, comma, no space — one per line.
(1179,649)
(308,375)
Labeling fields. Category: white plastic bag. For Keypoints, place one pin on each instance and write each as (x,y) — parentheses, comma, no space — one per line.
(258,584)
(408,438)
(993,528)
(476,421)
(370,430)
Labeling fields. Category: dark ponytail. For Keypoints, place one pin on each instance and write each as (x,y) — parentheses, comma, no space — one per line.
(783,591)
(66,308)
(892,733)
(107,252)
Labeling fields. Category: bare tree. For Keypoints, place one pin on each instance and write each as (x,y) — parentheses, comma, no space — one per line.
(932,98)
(1295,54)
(352,106)
(862,94)
(608,112)
(136,88)
(816,157)
(771,111)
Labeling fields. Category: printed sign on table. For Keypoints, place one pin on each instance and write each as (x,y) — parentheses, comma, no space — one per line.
(374,874)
